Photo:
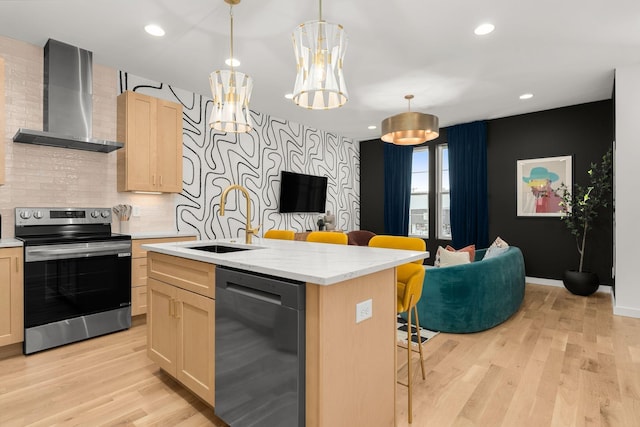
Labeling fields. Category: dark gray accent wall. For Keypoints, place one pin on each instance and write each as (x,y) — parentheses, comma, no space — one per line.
(584,131)
(372,191)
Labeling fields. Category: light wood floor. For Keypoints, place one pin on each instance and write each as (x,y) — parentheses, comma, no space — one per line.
(561,360)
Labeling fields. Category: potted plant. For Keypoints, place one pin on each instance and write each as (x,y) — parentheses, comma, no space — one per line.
(581,207)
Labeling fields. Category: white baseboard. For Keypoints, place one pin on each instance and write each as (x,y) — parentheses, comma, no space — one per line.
(558,283)
(624,311)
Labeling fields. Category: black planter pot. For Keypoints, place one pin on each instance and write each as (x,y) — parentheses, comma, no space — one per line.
(580,283)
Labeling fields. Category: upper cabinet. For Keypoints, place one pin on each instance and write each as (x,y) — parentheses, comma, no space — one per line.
(151,130)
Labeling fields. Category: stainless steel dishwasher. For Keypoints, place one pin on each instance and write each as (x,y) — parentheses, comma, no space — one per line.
(260,349)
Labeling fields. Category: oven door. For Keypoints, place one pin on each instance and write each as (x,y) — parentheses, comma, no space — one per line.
(64,281)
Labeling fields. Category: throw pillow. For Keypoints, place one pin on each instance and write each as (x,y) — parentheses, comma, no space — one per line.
(498,247)
(494,251)
(450,258)
(499,243)
(436,262)
(471,249)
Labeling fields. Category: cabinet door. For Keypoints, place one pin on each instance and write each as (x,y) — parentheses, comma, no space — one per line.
(161,325)
(169,147)
(137,128)
(11,292)
(196,340)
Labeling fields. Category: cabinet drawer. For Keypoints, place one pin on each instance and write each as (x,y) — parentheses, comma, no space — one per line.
(138,252)
(138,272)
(138,300)
(194,276)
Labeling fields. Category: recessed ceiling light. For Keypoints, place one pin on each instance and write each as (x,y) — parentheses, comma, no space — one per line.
(154,30)
(372,127)
(232,62)
(526,96)
(484,29)
(289,96)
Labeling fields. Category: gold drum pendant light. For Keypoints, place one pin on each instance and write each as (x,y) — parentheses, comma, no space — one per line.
(410,128)
(319,48)
(231,94)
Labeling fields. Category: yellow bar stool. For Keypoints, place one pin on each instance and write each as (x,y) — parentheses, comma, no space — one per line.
(279,234)
(410,278)
(335,237)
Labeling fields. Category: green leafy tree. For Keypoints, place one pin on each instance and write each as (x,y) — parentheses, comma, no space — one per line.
(582,205)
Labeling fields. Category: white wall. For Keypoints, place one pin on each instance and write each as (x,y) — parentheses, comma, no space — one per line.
(627,200)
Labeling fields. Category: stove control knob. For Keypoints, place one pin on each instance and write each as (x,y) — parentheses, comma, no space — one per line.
(95,214)
(104,214)
(25,214)
(38,215)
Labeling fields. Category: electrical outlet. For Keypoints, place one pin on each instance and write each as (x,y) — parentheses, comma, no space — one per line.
(364,310)
(135,211)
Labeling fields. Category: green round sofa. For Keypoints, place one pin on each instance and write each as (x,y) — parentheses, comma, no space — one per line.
(472,297)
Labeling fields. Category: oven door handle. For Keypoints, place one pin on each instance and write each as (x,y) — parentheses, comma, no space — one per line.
(77,250)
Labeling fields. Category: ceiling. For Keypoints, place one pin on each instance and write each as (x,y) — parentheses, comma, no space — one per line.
(564,52)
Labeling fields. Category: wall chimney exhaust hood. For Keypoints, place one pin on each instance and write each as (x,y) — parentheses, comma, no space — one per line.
(68,103)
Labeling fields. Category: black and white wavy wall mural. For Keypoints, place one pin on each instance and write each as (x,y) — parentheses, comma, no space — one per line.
(213,161)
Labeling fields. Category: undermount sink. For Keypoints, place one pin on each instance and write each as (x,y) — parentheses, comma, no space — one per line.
(219,249)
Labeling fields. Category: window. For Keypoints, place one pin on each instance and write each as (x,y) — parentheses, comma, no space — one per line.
(419,203)
(442,193)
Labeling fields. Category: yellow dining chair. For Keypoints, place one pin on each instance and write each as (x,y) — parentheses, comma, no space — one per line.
(280,234)
(410,278)
(328,237)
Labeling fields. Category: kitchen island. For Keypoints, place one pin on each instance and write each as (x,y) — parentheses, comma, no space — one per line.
(349,365)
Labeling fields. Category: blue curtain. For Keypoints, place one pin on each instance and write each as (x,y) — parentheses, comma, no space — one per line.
(398,161)
(468,179)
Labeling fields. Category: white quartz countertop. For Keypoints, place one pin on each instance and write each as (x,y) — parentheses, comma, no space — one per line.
(10,243)
(160,234)
(319,263)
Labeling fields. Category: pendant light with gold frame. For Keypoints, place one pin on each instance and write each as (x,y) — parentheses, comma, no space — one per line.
(319,47)
(410,128)
(231,91)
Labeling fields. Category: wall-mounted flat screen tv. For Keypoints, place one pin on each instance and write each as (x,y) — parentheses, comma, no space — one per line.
(302,193)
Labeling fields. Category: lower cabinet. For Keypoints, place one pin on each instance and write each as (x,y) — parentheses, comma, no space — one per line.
(11,294)
(180,327)
(139,271)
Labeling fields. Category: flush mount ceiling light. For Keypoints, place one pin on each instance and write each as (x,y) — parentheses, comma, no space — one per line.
(526,96)
(410,128)
(231,94)
(154,30)
(484,29)
(319,48)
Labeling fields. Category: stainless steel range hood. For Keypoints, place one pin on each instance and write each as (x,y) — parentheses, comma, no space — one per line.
(68,103)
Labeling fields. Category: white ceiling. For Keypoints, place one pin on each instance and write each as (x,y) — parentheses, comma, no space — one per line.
(563,51)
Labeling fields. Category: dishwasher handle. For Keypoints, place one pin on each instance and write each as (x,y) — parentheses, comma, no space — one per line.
(254,293)
(273,290)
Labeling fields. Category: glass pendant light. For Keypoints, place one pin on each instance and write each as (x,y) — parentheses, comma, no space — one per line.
(319,48)
(410,128)
(231,94)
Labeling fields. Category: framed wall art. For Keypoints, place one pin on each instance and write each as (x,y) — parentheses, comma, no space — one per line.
(538,183)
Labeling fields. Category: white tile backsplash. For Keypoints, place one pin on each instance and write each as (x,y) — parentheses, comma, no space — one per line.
(49,176)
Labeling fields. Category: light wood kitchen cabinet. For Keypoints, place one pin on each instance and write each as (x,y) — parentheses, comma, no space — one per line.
(139,270)
(151,130)
(181,321)
(11,295)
